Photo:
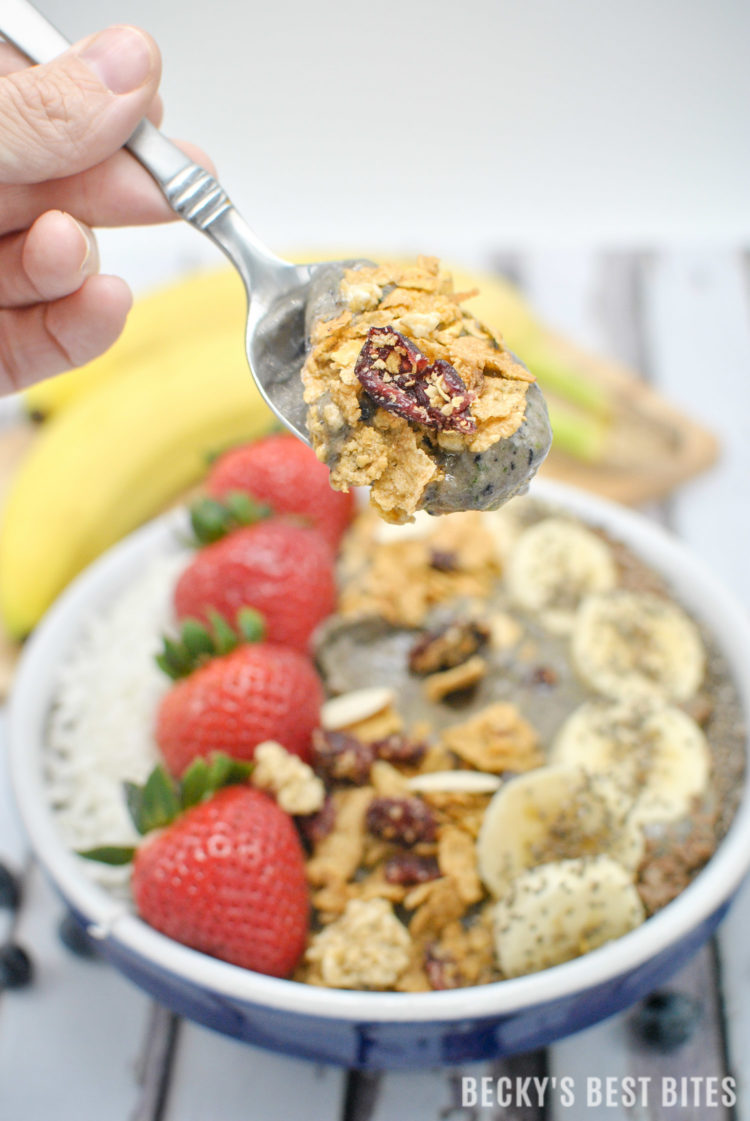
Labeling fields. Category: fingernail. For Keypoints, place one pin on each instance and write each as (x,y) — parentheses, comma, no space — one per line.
(90,252)
(121,58)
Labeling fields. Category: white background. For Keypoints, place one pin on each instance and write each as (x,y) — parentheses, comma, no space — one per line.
(452,127)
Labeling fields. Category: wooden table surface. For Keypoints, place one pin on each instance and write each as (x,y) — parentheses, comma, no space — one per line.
(82,1044)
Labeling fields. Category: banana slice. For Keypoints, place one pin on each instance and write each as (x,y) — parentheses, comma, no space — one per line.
(628,642)
(554,564)
(554,813)
(562,910)
(657,752)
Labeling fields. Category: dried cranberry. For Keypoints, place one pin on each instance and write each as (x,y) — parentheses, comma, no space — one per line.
(410,868)
(443,561)
(400,750)
(441,968)
(447,647)
(339,757)
(314,827)
(398,377)
(404,820)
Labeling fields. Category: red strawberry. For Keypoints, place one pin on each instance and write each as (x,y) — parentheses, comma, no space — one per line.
(231,704)
(284,473)
(227,877)
(283,570)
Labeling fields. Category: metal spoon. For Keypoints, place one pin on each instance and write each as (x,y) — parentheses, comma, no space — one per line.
(276,289)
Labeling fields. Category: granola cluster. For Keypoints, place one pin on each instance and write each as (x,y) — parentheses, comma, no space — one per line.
(296,787)
(401,376)
(403,580)
(398,903)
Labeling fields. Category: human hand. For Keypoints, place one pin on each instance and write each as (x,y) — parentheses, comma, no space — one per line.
(62,126)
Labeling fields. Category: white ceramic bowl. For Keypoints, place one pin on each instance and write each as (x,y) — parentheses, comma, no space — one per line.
(381,1029)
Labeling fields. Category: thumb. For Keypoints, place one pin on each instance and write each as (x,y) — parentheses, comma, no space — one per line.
(74,112)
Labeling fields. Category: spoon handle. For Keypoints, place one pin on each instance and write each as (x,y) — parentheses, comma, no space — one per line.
(190,190)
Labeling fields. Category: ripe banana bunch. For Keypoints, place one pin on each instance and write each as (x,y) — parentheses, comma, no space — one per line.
(558,849)
(655,751)
(558,911)
(553,566)
(204,303)
(118,455)
(628,642)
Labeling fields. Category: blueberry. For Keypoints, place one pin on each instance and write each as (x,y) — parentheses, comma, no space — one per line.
(75,938)
(10,892)
(666,1020)
(16,969)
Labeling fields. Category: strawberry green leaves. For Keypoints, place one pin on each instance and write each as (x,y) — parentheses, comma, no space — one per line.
(155,804)
(212,518)
(197,643)
(114,855)
(202,778)
(162,799)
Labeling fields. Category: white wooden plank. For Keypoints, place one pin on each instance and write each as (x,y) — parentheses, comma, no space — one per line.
(701,1056)
(13,846)
(734,949)
(69,1041)
(86,1022)
(698,326)
(563,287)
(154,1065)
(696,321)
(513,1089)
(595,298)
(425,1093)
(584,1061)
(218,1077)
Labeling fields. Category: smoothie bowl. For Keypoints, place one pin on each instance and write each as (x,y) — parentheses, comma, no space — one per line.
(523,805)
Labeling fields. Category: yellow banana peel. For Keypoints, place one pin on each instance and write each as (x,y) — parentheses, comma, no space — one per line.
(116,457)
(200,304)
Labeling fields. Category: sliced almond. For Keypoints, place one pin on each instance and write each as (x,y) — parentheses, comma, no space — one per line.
(352,708)
(463,782)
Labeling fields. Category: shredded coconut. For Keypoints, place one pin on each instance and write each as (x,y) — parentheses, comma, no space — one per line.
(101,727)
